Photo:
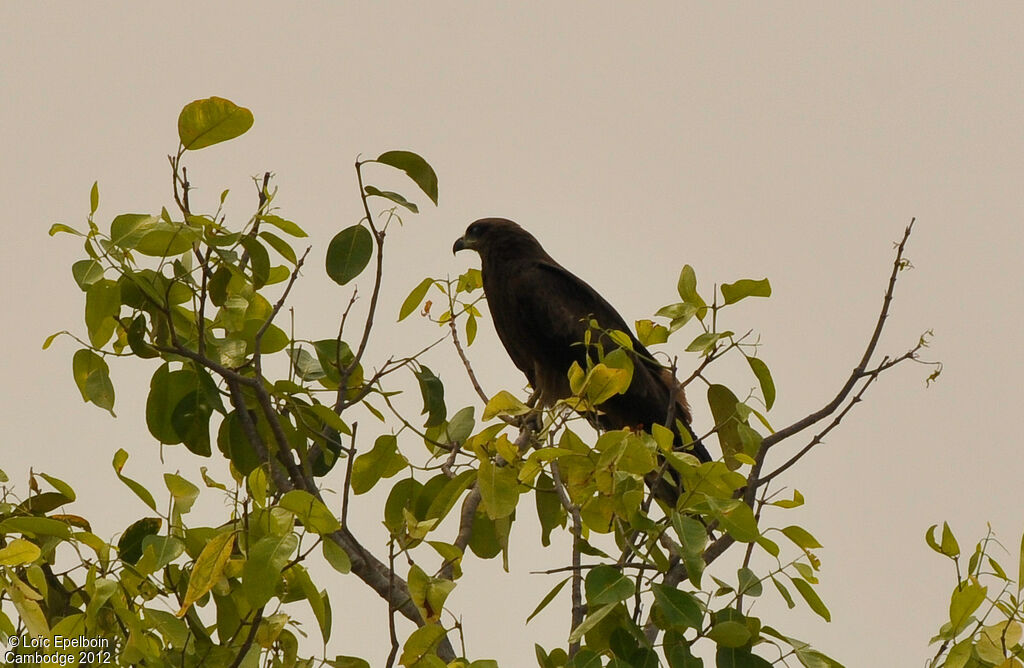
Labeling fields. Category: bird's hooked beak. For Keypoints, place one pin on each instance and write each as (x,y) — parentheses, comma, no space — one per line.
(460,244)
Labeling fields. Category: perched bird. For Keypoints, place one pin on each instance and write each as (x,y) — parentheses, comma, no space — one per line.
(542,311)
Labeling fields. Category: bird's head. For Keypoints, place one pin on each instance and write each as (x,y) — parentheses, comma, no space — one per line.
(491,233)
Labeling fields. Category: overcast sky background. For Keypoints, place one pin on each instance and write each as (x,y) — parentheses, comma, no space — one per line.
(748,140)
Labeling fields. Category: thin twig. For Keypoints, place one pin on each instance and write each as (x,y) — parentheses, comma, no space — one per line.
(829,408)
(578,609)
(348,476)
(764,480)
(273,313)
(378,238)
(462,355)
(249,638)
(466,515)
(393,654)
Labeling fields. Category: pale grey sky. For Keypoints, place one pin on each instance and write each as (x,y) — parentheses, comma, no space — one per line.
(748,140)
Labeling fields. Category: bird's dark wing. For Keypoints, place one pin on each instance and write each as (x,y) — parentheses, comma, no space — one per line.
(554,309)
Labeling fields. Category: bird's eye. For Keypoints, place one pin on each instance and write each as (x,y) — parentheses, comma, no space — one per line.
(474,230)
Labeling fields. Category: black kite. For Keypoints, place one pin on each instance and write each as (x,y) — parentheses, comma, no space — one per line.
(542,311)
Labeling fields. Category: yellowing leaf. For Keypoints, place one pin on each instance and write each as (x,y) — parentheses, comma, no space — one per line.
(503,403)
(19,552)
(207,122)
(207,569)
(499,489)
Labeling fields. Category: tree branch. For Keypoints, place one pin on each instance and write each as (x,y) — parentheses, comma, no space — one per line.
(857,373)
(579,610)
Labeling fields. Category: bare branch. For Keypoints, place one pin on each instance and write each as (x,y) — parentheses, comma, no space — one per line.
(273,313)
(254,626)
(378,239)
(579,610)
(469,506)
(393,654)
(465,362)
(819,437)
(857,373)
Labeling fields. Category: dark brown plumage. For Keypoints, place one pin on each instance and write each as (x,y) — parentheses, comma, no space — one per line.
(541,313)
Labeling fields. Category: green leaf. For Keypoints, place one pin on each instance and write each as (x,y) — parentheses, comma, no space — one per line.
(949,547)
(311,511)
(57,228)
(784,592)
(723,408)
(687,288)
(749,582)
(286,226)
(341,661)
(336,556)
(307,367)
(35,526)
(208,568)
(127,229)
(795,502)
(693,538)
(547,599)
(120,458)
(394,197)
(421,643)
(733,292)
(348,253)
(764,378)
(415,297)
(679,609)
(965,600)
(812,599)
(259,260)
(592,619)
(59,485)
(499,489)
(129,547)
(94,197)
(416,168)
(801,537)
(449,495)
(262,570)
(86,272)
(433,396)
(738,657)
(178,409)
(736,517)
(166,239)
(19,552)
(102,306)
(210,121)
(182,491)
(92,376)
(383,461)
(280,245)
(730,634)
(1020,567)
(158,551)
(461,425)
(606,584)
